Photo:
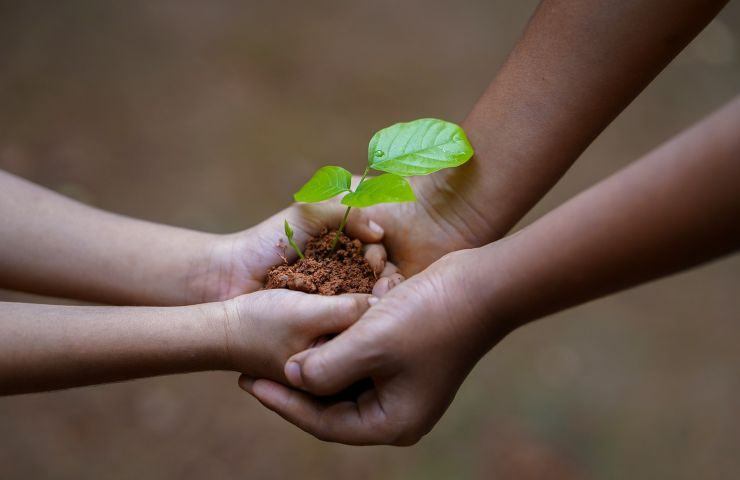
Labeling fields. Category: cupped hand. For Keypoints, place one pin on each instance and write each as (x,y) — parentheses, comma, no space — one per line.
(417,345)
(263,329)
(418,233)
(238,263)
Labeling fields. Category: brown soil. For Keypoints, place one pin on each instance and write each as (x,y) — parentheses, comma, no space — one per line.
(326,272)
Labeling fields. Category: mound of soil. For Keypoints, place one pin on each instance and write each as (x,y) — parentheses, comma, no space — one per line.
(326,271)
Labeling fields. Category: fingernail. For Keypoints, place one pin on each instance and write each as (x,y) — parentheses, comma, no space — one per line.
(293,372)
(372,300)
(375,227)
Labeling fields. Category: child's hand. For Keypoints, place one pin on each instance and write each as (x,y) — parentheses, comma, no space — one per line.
(263,329)
(238,263)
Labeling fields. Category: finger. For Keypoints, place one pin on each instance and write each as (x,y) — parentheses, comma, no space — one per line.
(380,288)
(245,383)
(332,367)
(322,315)
(390,269)
(386,284)
(320,341)
(343,422)
(376,256)
(360,226)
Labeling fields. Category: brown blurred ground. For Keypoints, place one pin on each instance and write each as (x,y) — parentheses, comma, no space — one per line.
(209,114)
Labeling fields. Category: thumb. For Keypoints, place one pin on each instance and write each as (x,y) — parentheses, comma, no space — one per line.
(333,366)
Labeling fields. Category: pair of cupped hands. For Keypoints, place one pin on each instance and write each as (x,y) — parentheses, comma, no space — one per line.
(416,339)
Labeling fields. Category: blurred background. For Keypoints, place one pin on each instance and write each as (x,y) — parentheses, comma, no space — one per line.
(208,115)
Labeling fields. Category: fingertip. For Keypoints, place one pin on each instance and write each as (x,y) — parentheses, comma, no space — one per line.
(268,392)
(376,256)
(395,280)
(246,383)
(381,287)
(376,229)
(293,373)
(390,269)
(361,227)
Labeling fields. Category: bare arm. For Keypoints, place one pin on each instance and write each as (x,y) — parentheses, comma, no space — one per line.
(676,207)
(576,67)
(53,245)
(47,347)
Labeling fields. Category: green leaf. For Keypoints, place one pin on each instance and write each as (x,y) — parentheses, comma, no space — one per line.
(387,188)
(288,231)
(326,183)
(419,147)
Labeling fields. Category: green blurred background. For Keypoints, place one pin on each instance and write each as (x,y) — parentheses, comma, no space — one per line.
(208,115)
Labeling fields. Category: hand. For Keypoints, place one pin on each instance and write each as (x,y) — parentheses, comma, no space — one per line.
(263,329)
(439,222)
(238,263)
(417,345)
(415,235)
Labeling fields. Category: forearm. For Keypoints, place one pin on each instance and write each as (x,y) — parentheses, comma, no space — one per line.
(576,67)
(46,347)
(675,208)
(53,245)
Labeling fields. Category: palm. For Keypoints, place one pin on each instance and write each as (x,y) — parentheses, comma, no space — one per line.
(238,263)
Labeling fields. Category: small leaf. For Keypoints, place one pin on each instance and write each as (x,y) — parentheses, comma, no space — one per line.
(419,147)
(288,231)
(387,188)
(289,234)
(326,183)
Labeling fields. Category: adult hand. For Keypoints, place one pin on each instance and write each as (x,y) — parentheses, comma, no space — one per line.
(417,345)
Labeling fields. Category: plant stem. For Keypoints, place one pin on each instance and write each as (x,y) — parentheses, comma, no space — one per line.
(346,213)
(295,247)
(341,227)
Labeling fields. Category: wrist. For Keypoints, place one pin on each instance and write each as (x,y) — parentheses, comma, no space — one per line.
(205,271)
(507,294)
(484,299)
(210,334)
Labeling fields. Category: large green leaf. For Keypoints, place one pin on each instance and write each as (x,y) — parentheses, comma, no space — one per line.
(326,183)
(419,147)
(387,188)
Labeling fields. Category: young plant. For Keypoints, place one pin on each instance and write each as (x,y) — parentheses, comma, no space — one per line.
(289,234)
(402,150)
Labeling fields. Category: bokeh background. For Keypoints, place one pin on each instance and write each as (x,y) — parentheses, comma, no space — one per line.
(208,115)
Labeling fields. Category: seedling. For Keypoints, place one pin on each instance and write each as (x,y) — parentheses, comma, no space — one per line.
(402,150)
(289,234)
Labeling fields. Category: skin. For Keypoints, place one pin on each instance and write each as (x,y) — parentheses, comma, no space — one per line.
(673,209)
(46,347)
(576,67)
(553,95)
(53,245)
